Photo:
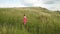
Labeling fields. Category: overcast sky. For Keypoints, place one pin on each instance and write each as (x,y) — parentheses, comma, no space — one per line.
(49,4)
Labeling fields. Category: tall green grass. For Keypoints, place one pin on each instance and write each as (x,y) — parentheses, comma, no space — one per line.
(39,21)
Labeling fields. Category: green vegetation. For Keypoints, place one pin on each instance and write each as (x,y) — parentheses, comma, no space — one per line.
(40,21)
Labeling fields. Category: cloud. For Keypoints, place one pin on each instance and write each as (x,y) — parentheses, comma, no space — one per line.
(49,4)
(11,5)
(50,1)
(28,2)
(54,7)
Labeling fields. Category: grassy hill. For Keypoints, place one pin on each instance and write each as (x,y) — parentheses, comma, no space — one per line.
(40,21)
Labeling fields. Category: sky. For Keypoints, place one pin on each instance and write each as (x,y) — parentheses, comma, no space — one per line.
(49,4)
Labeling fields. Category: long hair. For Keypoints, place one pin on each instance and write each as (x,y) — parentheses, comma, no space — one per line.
(24,14)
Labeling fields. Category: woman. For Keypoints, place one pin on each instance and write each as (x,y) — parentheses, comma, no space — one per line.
(25,20)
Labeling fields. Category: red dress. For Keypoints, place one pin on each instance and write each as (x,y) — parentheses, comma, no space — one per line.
(25,20)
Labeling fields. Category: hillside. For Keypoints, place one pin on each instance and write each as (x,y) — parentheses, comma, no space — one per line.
(40,21)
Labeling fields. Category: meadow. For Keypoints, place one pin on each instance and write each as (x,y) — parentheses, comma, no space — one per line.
(39,21)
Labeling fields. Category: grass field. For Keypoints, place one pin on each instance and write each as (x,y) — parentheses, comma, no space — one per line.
(40,21)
